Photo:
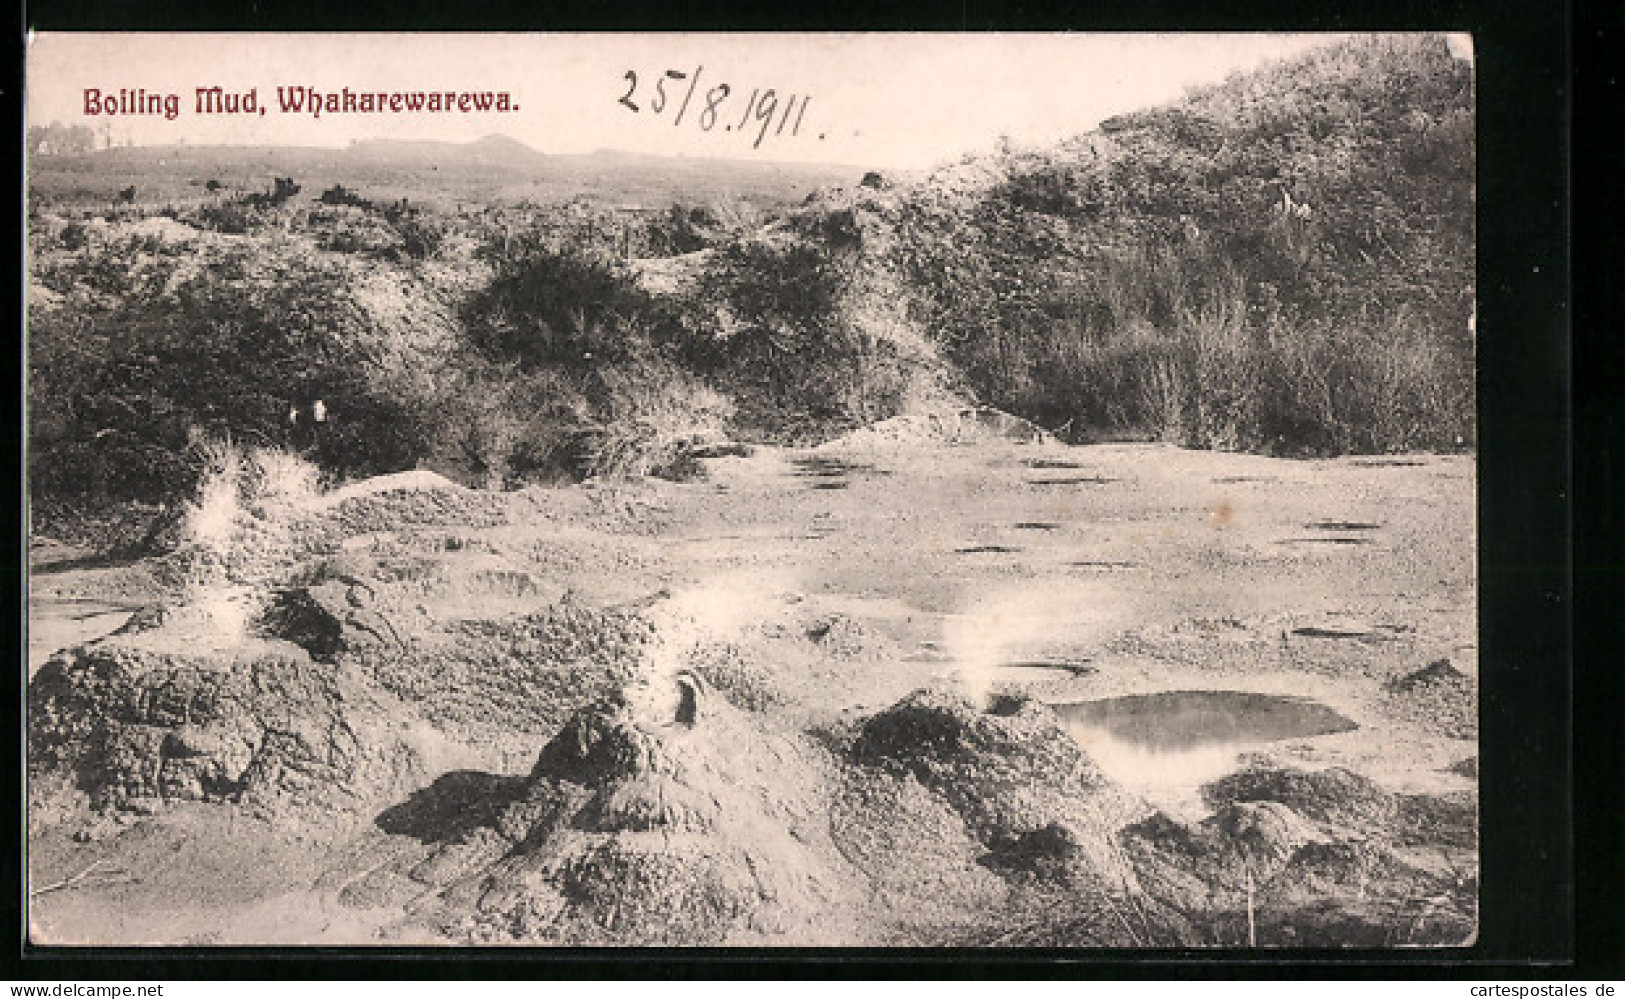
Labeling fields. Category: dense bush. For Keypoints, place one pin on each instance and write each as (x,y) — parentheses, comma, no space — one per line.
(225,341)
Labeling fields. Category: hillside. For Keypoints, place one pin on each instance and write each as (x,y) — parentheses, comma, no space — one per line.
(1282,263)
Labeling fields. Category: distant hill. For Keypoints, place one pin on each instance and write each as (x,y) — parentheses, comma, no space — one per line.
(497,151)
(495,168)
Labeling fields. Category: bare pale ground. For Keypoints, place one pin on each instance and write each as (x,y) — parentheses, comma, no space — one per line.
(857,573)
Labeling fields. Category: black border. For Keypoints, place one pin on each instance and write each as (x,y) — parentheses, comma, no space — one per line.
(1529,887)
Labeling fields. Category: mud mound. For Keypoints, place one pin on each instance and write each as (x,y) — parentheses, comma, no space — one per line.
(691,825)
(130,727)
(738,679)
(962,811)
(1192,863)
(425,502)
(1335,795)
(913,847)
(1007,770)
(1439,672)
(843,637)
(519,675)
(988,423)
(148,618)
(1438,697)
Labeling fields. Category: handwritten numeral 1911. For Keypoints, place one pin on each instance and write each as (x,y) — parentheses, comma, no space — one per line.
(768,106)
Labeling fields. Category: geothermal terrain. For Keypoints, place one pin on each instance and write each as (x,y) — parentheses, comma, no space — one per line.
(925,684)
(1065,547)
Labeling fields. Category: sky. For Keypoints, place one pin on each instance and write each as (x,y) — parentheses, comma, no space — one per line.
(886,100)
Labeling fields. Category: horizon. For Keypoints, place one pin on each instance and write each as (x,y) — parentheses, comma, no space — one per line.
(463,144)
(872,101)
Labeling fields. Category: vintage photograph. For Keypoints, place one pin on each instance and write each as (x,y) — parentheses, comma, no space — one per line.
(752,490)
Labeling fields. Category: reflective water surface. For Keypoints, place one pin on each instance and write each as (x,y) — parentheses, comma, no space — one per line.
(1171,743)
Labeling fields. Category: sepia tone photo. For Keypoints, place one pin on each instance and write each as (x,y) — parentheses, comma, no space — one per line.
(882,490)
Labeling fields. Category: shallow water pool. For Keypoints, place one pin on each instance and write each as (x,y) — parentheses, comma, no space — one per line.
(1171,743)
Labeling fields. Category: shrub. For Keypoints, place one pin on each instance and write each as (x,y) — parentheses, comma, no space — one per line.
(233,218)
(795,330)
(649,415)
(564,307)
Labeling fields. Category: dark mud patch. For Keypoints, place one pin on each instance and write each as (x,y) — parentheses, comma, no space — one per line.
(1376,633)
(986,550)
(726,449)
(1229,480)
(1077,667)
(1074,480)
(1037,525)
(1051,463)
(83,608)
(1387,463)
(1180,721)
(1324,541)
(1104,565)
(1316,631)
(833,473)
(120,559)
(833,468)
(1341,525)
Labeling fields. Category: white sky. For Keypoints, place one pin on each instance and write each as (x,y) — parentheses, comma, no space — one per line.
(886,100)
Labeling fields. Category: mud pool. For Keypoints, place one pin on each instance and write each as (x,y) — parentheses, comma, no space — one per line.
(1171,743)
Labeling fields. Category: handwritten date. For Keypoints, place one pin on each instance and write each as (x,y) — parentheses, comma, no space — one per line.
(762,110)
